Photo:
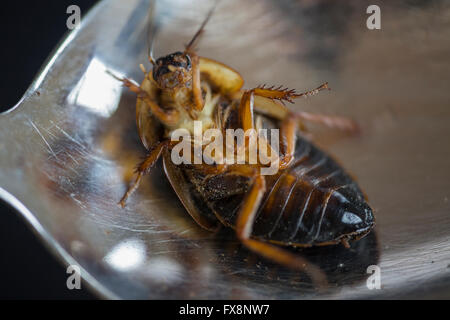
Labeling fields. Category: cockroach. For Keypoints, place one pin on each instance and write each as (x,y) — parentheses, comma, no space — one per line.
(310,201)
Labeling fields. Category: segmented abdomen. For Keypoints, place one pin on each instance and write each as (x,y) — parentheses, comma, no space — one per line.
(313,202)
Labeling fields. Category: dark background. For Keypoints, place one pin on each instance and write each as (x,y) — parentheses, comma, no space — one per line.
(29,30)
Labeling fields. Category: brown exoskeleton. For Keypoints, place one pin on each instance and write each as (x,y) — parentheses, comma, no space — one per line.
(310,200)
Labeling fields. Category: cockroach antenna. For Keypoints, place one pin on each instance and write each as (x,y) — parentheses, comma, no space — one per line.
(152,29)
(197,35)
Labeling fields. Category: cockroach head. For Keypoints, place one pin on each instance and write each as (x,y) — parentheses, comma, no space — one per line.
(173,70)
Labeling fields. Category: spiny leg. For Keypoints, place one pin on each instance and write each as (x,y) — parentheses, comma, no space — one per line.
(285,94)
(291,121)
(330,121)
(144,168)
(266,105)
(244,227)
(247,104)
(288,126)
(313,92)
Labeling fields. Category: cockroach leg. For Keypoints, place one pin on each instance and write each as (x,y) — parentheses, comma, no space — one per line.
(167,117)
(280,112)
(144,168)
(278,93)
(196,86)
(284,94)
(249,207)
(330,121)
(246,106)
(288,135)
(245,111)
(311,92)
(288,126)
(244,227)
(327,120)
(270,108)
(345,243)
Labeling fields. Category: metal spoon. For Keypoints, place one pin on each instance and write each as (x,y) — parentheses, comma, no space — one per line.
(68,149)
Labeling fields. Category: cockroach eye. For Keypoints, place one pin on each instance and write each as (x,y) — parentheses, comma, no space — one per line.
(160,71)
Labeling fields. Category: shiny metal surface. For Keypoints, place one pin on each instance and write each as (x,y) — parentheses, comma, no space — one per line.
(68,149)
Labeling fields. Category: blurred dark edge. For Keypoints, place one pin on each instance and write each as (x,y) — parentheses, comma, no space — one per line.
(30,30)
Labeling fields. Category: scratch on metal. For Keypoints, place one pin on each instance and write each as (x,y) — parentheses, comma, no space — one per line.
(43,138)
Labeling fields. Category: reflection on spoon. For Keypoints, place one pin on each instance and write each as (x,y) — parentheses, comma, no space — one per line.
(127,255)
(97,90)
